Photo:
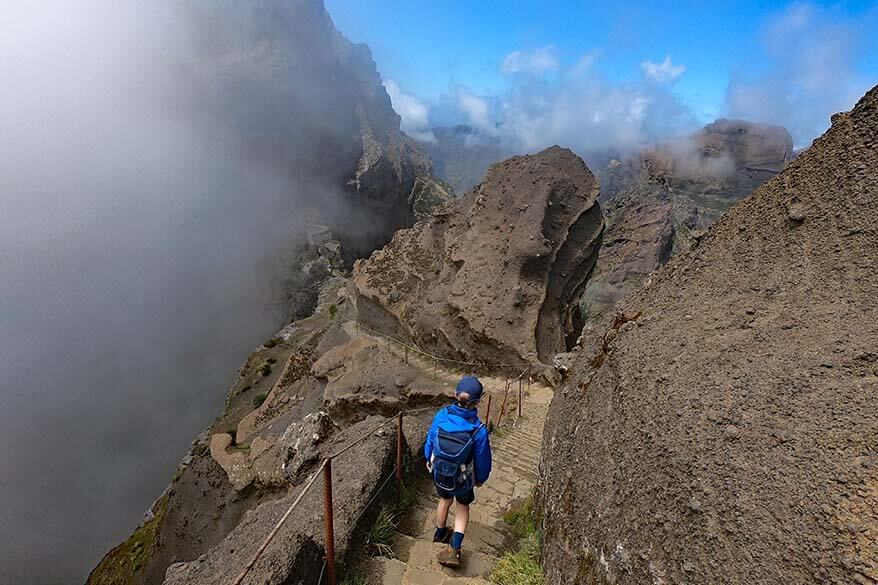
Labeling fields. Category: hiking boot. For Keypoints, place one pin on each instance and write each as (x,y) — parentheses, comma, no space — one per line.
(449,557)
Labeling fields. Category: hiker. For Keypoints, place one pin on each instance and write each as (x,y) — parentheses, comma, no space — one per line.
(459,458)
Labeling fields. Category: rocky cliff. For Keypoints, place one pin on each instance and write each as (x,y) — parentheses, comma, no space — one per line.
(494,276)
(723,428)
(361,179)
(660,201)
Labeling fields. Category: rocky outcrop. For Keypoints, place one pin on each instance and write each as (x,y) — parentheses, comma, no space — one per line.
(495,275)
(723,427)
(295,554)
(659,202)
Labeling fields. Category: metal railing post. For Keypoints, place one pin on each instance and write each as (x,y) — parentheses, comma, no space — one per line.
(519,397)
(488,414)
(503,407)
(328,519)
(406,354)
(399,454)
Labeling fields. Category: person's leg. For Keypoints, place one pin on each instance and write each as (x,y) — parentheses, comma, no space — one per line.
(461,517)
(442,509)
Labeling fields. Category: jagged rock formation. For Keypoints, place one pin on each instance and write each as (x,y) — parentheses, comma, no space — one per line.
(495,275)
(659,202)
(461,155)
(724,427)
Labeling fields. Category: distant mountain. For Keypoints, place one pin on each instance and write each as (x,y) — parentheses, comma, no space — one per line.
(659,202)
(461,155)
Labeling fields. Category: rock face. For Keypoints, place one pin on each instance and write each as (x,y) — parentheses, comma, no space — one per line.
(329,128)
(495,275)
(660,202)
(724,427)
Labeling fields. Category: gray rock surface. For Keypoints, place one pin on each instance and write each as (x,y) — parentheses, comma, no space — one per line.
(724,427)
(495,275)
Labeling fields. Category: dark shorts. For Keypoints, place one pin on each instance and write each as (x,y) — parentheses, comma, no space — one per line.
(464,499)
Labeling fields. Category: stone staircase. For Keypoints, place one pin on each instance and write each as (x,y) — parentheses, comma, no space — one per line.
(516,452)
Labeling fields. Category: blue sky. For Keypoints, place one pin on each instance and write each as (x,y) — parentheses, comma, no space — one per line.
(799,60)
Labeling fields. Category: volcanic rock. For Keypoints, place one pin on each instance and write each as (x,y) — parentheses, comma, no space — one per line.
(659,202)
(495,275)
(704,436)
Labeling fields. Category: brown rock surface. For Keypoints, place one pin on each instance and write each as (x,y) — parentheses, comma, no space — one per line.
(492,276)
(658,203)
(728,431)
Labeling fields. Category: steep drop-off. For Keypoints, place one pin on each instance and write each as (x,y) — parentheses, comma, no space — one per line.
(361,179)
(659,202)
(494,276)
(724,427)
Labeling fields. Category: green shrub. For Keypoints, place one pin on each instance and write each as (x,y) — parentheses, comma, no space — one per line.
(273,341)
(333,311)
(271,361)
(264,369)
(259,399)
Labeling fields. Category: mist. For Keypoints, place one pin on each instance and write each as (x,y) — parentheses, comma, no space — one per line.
(157,158)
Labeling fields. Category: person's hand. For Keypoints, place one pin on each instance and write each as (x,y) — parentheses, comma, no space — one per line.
(480,484)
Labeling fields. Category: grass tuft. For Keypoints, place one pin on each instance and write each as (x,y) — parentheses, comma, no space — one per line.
(354,579)
(521,518)
(259,399)
(521,566)
(380,538)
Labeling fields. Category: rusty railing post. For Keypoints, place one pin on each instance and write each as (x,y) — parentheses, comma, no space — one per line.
(503,407)
(399,454)
(328,519)
(488,414)
(406,354)
(519,397)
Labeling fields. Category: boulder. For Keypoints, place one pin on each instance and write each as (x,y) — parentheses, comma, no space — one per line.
(722,426)
(494,276)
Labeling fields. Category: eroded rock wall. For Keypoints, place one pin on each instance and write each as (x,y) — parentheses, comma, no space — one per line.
(724,428)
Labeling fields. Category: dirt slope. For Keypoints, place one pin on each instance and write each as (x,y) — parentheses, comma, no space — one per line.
(728,433)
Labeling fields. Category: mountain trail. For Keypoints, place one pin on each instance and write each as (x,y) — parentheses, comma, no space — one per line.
(516,444)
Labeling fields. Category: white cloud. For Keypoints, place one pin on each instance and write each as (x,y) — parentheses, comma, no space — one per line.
(475,108)
(535,62)
(810,73)
(664,71)
(581,109)
(414,114)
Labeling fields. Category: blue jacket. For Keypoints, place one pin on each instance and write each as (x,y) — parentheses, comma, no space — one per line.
(455,418)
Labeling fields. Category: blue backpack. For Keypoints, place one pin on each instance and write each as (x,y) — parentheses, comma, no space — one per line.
(453,461)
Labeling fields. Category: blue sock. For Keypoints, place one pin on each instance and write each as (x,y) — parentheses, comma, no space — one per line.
(457,540)
(440,534)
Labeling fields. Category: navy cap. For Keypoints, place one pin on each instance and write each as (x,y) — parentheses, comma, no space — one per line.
(470,385)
